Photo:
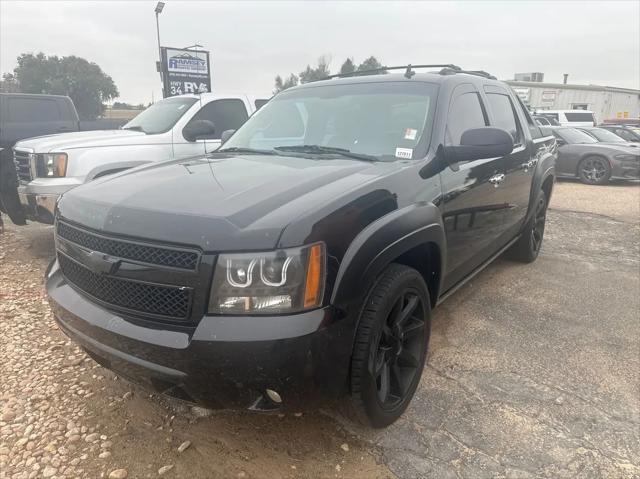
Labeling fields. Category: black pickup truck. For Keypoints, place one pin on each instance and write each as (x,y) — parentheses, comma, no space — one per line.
(25,116)
(300,262)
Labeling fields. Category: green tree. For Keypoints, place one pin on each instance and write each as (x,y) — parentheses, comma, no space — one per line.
(9,84)
(371,63)
(318,73)
(284,84)
(83,81)
(348,66)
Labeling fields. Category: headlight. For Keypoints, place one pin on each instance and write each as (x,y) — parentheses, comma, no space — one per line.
(626,157)
(283,281)
(54,165)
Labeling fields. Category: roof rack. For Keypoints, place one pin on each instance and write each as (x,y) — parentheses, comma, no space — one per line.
(480,73)
(446,69)
(408,70)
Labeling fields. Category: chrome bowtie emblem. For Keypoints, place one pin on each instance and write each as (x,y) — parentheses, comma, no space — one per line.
(101,263)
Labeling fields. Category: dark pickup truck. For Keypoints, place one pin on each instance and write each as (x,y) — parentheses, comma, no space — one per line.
(25,116)
(300,262)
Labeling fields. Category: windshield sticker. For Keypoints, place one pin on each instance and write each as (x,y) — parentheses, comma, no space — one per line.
(410,134)
(181,107)
(404,153)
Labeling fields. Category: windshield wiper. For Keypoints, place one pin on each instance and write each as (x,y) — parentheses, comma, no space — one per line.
(237,149)
(322,150)
(134,128)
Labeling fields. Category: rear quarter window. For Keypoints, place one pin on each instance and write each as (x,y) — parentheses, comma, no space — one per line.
(25,110)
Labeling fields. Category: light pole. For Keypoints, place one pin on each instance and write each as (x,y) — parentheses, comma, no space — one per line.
(158,10)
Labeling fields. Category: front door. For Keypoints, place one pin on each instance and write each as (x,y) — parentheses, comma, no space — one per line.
(473,201)
(519,165)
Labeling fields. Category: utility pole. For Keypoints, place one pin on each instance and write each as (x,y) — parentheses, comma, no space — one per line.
(158,10)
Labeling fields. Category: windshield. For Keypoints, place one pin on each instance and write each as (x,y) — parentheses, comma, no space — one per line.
(605,136)
(385,120)
(161,116)
(572,135)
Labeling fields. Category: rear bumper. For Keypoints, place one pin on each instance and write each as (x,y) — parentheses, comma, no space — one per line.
(223,362)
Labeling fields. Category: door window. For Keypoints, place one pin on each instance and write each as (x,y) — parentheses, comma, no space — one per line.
(465,113)
(625,134)
(533,127)
(228,114)
(260,103)
(25,110)
(576,117)
(504,115)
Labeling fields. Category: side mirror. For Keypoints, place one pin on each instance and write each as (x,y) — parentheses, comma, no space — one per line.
(198,130)
(226,134)
(480,143)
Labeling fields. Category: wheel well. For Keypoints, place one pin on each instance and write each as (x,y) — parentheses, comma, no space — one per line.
(426,259)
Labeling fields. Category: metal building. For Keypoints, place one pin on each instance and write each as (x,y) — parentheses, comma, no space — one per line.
(605,102)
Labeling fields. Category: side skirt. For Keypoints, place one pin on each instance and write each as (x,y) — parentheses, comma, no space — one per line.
(460,284)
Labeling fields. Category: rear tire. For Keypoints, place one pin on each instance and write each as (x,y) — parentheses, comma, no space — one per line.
(594,170)
(527,248)
(390,347)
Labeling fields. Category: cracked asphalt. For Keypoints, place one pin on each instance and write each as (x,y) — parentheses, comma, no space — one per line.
(533,371)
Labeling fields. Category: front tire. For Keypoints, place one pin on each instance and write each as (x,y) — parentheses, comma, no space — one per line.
(527,248)
(594,170)
(390,347)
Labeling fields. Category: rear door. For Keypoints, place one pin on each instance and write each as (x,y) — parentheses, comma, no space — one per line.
(519,164)
(473,207)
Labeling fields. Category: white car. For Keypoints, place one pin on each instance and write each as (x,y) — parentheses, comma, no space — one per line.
(570,117)
(173,128)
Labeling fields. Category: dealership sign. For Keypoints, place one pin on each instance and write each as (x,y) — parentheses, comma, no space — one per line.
(185,71)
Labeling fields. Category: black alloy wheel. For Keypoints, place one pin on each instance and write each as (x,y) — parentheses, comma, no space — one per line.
(528,245)
(400,347)
(390,347)
(594,170)
(539,221)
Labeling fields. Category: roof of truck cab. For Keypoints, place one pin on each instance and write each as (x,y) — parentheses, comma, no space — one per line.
(430,77)
(220,95)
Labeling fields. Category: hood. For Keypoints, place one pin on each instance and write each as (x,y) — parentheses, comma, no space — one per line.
(84,139)
(219,203)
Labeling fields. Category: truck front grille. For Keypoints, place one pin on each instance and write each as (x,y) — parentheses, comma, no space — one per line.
(173,302)
(144,253)
(23,167)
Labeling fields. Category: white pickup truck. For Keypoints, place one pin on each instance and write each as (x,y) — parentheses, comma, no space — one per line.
(173,128)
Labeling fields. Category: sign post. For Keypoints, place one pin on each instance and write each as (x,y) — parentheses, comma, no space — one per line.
(185,71)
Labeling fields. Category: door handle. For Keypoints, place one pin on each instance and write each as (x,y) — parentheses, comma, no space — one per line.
(495,180)
(529,164)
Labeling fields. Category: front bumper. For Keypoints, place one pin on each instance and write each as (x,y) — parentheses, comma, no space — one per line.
(626,170)
(223,362)
(39,197)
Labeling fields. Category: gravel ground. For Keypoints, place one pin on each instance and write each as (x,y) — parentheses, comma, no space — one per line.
(533,372)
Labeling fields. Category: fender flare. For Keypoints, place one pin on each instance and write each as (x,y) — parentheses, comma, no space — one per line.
(380,243)
(545,169)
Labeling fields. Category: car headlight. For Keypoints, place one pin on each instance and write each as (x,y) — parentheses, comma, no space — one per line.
(282,281)
(54,165)
(626,157)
